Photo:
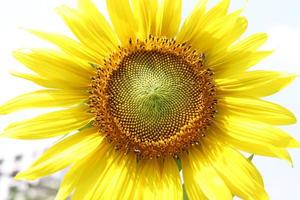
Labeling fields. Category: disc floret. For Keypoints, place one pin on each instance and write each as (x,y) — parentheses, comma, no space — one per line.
(153,97)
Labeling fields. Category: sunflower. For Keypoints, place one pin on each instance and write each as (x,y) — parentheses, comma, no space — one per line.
(145,98)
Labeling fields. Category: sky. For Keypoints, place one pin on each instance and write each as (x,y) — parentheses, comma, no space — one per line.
(280,19)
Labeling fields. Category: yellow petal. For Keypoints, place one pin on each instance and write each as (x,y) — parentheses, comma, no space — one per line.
(239,57)
(168,18)
(190,26)
(247,45)
(49,83)
(108,171)
(145,12)
(63,154)
(254,83)
(71,179)
(218,10)
(200,178)
(251,43)
(260,148)
(239,174)
(256,109)
(123,19)
(215,34)
(195,26)
(98,23)
(90,27)
(157,179)
(234,62)
(235,25)
(69,46)
(44,99)
(257,138)
(50,124)
(119,175)
(256,132)
(55,65)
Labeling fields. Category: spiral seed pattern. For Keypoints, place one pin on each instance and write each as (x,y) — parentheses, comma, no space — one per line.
(154,98)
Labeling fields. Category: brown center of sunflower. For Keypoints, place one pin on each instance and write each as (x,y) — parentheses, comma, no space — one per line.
(153,97)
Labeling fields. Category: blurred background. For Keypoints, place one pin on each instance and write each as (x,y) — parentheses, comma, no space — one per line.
(281,19)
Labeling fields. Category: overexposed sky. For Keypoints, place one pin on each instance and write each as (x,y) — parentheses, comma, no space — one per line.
(279,18)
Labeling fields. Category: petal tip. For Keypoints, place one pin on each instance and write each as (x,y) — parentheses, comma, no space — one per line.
(3,112)
(20,176)
(25,175)
(5,134)
(19,53)
(293,119)
(294,144)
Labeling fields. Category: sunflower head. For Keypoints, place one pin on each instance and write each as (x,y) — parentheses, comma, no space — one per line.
(147,97)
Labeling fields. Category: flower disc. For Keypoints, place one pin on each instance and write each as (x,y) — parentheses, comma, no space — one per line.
(154,98)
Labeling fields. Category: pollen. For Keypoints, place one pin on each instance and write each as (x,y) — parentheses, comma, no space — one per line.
(153,97)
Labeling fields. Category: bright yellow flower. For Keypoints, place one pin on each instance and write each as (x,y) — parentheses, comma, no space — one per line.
(146,92)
